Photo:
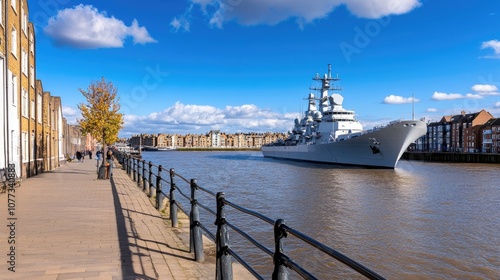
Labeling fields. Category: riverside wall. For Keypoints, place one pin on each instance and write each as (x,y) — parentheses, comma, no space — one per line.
(452,157)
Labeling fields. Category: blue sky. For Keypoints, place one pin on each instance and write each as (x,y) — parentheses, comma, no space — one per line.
(189,66)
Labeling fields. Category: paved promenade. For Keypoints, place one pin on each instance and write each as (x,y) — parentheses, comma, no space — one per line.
(67,224)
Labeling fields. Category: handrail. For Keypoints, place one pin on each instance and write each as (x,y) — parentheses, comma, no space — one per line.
(282,262)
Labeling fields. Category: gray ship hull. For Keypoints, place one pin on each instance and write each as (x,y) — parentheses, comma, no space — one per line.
(381,148)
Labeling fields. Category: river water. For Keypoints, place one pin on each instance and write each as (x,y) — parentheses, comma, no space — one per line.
(420,221)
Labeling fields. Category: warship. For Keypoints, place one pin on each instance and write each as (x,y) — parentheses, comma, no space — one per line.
(328,133)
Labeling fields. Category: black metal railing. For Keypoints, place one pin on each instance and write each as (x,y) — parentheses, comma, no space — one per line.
(149,177)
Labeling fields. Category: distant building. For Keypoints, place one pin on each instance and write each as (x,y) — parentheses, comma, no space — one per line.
(438,136)
(490,133)
(456,133)
(212,139)
(465,131)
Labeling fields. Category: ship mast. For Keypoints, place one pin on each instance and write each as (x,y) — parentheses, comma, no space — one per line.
(412,106)
(325,87)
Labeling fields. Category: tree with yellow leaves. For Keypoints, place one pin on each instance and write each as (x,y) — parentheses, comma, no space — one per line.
(100,115)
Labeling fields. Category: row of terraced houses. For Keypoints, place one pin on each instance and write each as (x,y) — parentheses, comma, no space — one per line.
(212,139)
(477,132)
(34,135)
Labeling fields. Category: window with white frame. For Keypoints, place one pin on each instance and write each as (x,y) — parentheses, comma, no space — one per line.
(1,12)
(13,89)
(24,141)
(24,21)
(13,3)
(24,61)
(24,104)
(13,41)
(32,112)
(32,156)
(39,107)
(32,45)
(32,76)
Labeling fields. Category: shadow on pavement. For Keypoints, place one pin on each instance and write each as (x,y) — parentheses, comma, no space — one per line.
(125,253)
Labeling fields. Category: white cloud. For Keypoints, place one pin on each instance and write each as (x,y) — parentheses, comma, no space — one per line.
(180,23)
(84,27)
(483,89)
(431,110)
(183,119)
(71,114)
(68,111)
(495,45)
(395,99)
(253,12)
(454,96)
(497,105)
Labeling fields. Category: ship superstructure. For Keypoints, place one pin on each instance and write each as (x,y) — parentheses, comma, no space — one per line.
(329,133)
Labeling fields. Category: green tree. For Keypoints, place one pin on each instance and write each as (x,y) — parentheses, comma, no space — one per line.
(100,115)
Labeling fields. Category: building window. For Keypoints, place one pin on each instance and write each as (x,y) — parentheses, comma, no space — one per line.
(32,45)
(24,141)
(39,108)
(13,41)
(24,105)
(24,61)
(32,157)
(13,3)
(1,12)
(32,112)
(13,89)
(32,76)
(24,21)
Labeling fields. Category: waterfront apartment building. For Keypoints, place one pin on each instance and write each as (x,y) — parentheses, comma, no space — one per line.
(212,139)
(490,132)
(456,133)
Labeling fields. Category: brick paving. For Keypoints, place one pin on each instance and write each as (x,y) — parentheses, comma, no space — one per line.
(70,225)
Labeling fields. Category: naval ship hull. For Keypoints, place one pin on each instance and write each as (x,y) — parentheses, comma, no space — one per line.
(381,148)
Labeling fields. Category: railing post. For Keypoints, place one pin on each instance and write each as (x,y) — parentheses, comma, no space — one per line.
(134,167)
(143,175)
(196,239)
(173,205)
(224,269)
(280,272)
(129,164)
(138,172)
(150,179)
(158,188)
